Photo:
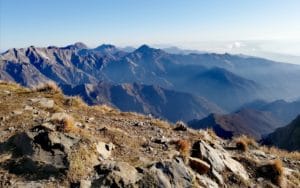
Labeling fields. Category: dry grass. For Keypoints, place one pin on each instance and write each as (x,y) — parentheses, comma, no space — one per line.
(272,171)
(211,133)
(75,101)
(65,124)
(161,124)
(281,153)
(81,162)
(278,168)
(47,87)
(243,142)
(104,109)
(183,146)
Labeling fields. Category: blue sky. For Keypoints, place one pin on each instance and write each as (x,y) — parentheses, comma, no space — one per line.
(161,22)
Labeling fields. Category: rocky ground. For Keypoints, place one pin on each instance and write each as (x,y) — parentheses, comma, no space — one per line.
(50,140)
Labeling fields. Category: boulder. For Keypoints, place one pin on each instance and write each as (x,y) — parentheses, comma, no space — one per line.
(204,151)
(116,174)
(172,173)
(39,152)
(219,159)
(235,167)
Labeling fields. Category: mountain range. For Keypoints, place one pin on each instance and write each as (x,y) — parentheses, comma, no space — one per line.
(147,99)
(174,86)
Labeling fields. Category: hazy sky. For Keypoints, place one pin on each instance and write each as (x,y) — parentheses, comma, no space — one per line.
(187,23)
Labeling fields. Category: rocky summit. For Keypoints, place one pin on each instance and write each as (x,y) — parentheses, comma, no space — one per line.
(50,140)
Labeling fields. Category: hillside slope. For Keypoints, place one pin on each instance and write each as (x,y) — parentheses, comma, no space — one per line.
(49,140)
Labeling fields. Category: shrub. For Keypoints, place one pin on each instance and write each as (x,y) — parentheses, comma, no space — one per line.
(242,145)
(65,123)
(272,171)
(183,147)
(243,142)
(48,87)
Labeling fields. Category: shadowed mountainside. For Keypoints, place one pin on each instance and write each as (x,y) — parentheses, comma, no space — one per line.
(287,137)
(147,99)
(249,122)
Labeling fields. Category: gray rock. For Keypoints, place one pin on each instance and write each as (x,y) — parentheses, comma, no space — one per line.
(235,167)
(172,173)
(218,176)
(104,149)
(40,152)
(218,159)
(206,152)
(206,182)
(116,174)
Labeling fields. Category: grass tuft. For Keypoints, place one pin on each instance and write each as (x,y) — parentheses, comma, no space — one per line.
(243,142)
(65,124)
(81,162)
(272,171)
(183,146)
(48,87)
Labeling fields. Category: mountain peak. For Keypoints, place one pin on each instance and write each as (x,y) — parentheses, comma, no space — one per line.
(106,48)
(145,48)
(76,46)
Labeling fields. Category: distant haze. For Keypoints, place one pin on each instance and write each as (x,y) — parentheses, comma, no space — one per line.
(268,28)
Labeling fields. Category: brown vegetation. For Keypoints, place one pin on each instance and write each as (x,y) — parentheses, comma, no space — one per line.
(81,161)
(48,87)
(183,146)
(272,171)
(281,153)
(243,142)
(65,124)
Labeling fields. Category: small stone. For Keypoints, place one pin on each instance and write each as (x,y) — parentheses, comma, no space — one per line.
(11,128)
(139,124)
(85,184)
(260,179)
(6,92)
(28,107)
(161,140)
(17,112)
(89,120)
